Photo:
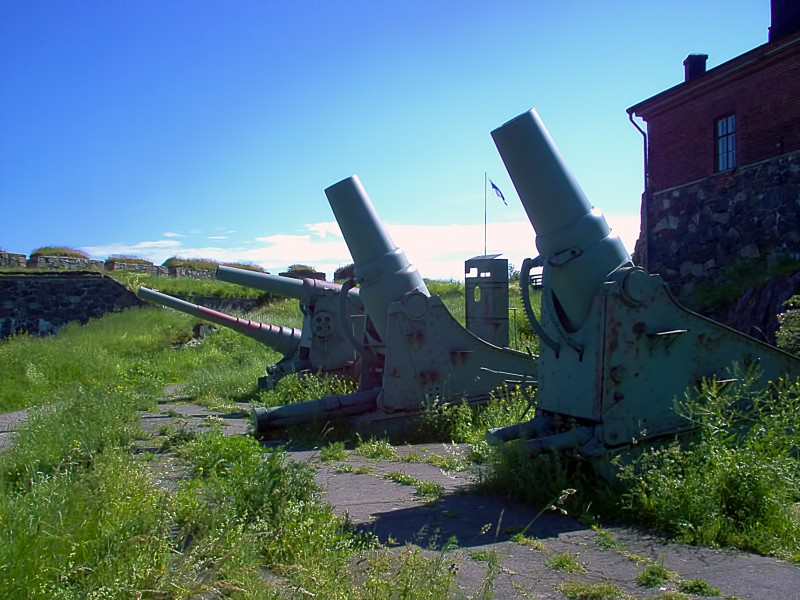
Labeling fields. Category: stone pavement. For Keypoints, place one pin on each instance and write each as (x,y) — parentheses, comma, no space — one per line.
(479,527)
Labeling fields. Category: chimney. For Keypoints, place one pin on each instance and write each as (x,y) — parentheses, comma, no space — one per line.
(694,66)
(785,18)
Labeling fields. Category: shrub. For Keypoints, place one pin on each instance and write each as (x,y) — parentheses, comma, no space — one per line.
(737,483)
(59,251)
(124,258)
(788,335)
(201,264)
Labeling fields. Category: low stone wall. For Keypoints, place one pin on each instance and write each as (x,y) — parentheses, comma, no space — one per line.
(64,262)
(747,216)
(14,261)
(147,269)
(189,272)
(41,303)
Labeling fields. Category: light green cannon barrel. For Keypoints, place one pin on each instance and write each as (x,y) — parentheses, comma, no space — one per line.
(282,286)
(574,239)
(381,268)
(285,340)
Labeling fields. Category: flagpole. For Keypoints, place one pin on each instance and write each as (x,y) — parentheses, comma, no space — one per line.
(485,177)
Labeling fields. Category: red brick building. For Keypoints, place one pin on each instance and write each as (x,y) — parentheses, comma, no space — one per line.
(722,162)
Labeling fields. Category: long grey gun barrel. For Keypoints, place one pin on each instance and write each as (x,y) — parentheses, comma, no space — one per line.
(285,340)
(282,286)
(574,239)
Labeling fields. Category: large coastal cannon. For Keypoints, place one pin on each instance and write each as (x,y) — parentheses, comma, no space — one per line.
(325,345)
(615,347)
(414,353)
(285,340)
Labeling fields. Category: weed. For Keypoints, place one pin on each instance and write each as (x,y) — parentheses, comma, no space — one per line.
(452,462)
(698,587)
(400,477)
(605,539)
(376,449)
(564,562)
(360,470)
(788,335)
(489,556)
(333,451)
(297,387)
(736,484)
(637,558)
(655,574)
(523,540)
(589,591)
(430,490)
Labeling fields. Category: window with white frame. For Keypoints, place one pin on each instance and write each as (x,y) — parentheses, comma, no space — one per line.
(726,142)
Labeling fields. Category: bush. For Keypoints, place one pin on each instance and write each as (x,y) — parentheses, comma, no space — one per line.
(736,485)
(59,251)
(788,335)
(124,258)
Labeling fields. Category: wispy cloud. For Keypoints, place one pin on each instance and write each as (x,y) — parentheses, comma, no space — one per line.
(438,251)
(218,237)
(151,250)
(172,234)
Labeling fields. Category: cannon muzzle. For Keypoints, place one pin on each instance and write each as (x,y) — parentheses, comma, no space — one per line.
(381,268)
(301,289)
(573,238)
(285,340)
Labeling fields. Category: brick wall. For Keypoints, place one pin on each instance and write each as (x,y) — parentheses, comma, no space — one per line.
(764,96)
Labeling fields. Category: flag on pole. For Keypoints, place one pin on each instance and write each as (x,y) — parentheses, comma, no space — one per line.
(497,192)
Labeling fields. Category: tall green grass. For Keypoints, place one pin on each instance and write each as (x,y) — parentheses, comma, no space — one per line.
(138,348)
(82,517)
(738,483)
(189,286)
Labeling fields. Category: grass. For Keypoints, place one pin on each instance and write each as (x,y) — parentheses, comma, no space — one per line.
(59,251)
(429,490)
(564,562)
(134,349)
(523,540)
(738,277)
(376,449)
(190,286)
(589,591)
(738,484)
(698,587)
(334,451)
(654,575)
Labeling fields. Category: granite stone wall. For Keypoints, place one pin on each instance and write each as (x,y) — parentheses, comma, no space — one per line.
(745,218)
(728,227)
(64,262)
(41,303)
(146,268)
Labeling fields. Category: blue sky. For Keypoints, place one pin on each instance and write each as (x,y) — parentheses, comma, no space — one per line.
(210,129)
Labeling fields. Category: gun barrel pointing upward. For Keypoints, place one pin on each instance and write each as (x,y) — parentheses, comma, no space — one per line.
(285,340)
(381,268)
(575,240)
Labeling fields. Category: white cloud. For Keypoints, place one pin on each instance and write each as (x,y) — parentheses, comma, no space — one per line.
(438,251)
(218,237)
(156,250)
(325,229)
(171,234)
